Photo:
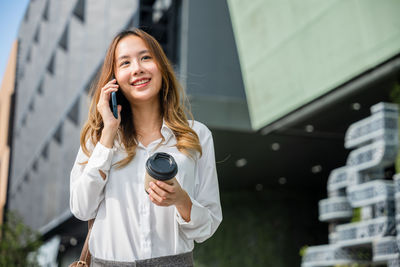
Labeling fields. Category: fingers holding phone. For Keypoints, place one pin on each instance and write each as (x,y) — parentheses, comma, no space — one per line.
(110,119)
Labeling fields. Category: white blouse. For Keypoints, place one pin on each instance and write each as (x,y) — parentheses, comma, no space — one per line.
(128,226)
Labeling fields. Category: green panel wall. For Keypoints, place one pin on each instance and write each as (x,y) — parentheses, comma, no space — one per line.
(292,52)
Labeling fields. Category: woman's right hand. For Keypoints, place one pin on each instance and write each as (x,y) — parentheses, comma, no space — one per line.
(111,124)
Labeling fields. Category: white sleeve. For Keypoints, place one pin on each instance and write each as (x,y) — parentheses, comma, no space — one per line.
(206,213)
(87,184)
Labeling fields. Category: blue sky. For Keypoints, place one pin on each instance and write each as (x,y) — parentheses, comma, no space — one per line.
(11,13)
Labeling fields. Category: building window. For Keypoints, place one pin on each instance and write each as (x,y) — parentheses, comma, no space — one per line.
(31,105)
(73,114)
(35,166)
(160,19)
(79,10)
(28,55)
(40,88)
(50,66)
(45,15)
(63,43)
(26,16)
(58,134)
(45,151)
(37,34)
(23,122)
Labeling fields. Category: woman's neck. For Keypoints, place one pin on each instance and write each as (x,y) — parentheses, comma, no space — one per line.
(147,118)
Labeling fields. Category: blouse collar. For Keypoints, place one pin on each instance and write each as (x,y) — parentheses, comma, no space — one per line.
(166,133)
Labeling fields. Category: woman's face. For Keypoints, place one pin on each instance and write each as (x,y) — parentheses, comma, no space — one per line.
(136,71)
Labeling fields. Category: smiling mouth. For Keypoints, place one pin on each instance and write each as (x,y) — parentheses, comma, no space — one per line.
(140,82)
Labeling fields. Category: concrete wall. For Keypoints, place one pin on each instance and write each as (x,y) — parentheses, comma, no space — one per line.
(59,53)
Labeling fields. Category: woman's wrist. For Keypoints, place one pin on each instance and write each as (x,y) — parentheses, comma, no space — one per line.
(184,206)
(107,137)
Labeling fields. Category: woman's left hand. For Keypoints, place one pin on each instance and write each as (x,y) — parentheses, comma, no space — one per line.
(163,194)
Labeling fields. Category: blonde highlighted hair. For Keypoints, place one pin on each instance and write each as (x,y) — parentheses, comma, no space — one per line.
(172,103)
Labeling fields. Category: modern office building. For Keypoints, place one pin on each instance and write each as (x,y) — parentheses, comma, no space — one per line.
(278,83)
(6,120)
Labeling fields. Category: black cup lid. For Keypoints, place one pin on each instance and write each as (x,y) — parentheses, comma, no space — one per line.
(161,166)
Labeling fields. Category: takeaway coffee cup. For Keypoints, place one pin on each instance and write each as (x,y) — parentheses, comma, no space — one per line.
(160,167)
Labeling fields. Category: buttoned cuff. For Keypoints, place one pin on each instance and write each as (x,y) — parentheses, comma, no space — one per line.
(198,214)
(101,158)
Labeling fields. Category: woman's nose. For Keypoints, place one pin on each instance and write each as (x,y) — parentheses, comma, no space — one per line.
(136,68)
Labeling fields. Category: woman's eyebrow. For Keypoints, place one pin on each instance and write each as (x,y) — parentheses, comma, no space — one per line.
(143,52)
(139,53)
(122,57)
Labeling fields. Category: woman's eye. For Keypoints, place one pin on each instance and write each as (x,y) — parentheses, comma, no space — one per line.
(124,63)
(146,57)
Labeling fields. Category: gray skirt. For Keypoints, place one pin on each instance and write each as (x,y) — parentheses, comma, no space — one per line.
(179,260)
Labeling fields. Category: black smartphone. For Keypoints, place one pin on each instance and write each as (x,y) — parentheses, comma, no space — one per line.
(114,104)
(115,96)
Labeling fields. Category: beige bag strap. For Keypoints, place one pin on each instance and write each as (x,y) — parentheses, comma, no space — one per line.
(84,259)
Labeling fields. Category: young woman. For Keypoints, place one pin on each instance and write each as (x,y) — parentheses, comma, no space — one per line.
(133,227)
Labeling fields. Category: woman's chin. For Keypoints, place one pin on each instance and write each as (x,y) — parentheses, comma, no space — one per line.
(143,98)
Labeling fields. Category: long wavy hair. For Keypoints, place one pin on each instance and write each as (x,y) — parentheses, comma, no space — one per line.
(172,102)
